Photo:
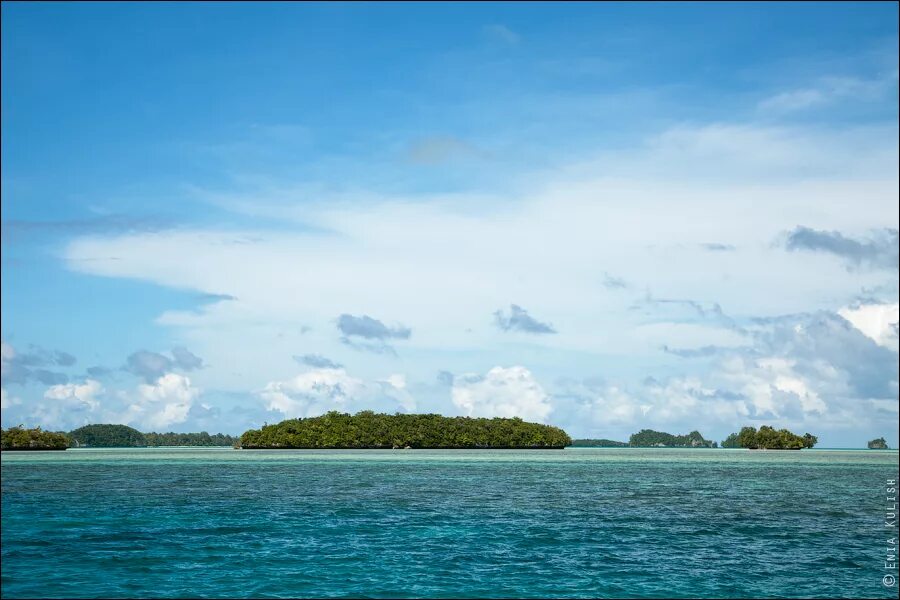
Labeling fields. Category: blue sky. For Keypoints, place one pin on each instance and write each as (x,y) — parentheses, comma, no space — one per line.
(603,216)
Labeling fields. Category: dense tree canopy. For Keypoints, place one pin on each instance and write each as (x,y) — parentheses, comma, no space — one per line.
(189,439)
(601,443)
(19,438)
(731,441)
(648,437)
(367,429)
(122,436)
(769,438)
(107,436)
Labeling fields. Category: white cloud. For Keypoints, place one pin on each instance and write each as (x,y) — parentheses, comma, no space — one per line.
(77,396)
(7,353)
(830,90)
(502,392)
(876,321)
(320,390)
(162,404)
(639,213)
(7,401)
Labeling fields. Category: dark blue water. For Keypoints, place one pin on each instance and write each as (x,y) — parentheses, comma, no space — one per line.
(573,523)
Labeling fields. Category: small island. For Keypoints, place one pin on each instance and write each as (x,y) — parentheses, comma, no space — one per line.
(879,444)
(768,438)
(370,430)
(19,438)
(598,443)
(649,438)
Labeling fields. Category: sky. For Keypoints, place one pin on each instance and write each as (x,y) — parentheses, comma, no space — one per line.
(606,217)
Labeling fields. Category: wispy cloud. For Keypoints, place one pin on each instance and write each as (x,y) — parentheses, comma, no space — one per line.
(878,251)
(502,33)
(317,361)
(519,320)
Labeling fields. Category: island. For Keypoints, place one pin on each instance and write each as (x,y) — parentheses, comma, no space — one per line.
(370,430)
(768,438)
(19,438)
(879,444)
(648,438)
(600,443)
(123,436)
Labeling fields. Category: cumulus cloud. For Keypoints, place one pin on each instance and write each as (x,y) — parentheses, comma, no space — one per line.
(502,392)
(153,365)
(520,320)
(879,322)
(813,371)
(67,405)
(165,402)
(879,251)
(318,391)
(316,361)
(76,396)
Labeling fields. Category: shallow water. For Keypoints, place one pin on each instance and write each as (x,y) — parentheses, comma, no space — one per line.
(577,522)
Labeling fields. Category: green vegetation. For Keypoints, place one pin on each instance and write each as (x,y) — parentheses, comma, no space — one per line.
(598,444)
(648,438)
(731,441)
(879,444)
(189,439)
(767,438)
(367,429)
(19,438)
(107,436)
(122,436)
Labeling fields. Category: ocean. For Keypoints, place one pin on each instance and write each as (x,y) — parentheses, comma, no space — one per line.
(198,522)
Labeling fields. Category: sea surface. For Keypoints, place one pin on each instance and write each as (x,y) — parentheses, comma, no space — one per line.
(166,522)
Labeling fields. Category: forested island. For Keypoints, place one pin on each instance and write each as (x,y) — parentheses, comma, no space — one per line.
(648,438)
(372,430)
(106,436)
(19,438)
(879,444)
(601,443)
(122,436)
(768,438)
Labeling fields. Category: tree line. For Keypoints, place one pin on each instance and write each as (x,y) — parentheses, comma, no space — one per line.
(19,438)
(768,438)
(368,429)
(123,436)
(106,436)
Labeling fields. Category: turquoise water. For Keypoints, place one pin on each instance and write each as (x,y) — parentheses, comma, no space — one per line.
(571,523)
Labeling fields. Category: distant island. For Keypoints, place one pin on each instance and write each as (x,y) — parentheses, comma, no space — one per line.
(123,436)
(649,438)
(768,438)
(370,430)
(106,436)
(19,438)
(601,443)
(879,444)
